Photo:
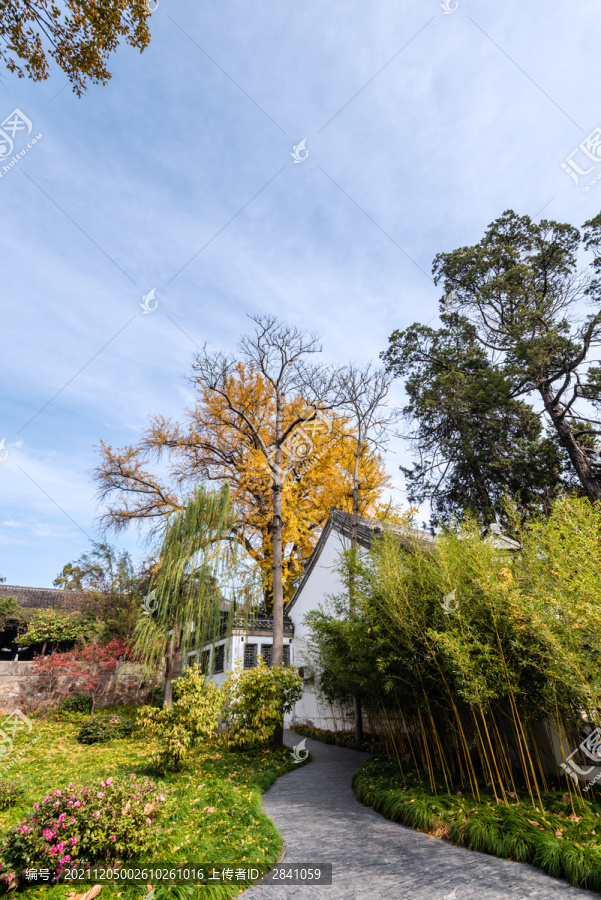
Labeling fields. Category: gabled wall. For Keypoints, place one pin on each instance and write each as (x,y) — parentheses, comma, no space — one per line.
(323,581)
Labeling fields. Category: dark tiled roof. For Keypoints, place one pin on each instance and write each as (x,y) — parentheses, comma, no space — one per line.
(368,529)
(44,598)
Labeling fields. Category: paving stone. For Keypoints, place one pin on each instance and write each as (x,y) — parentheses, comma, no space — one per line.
(320,821)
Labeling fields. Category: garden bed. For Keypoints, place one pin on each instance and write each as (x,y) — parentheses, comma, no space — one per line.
(560,837)
(212,814)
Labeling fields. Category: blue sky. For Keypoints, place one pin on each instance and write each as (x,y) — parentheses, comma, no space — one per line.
(422,127)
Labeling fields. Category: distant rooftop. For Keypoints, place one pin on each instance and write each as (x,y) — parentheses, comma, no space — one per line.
(44,598)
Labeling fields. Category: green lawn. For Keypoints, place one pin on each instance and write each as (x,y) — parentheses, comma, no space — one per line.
(213,813)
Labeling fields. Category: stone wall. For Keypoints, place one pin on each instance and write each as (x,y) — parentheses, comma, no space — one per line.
(21,689)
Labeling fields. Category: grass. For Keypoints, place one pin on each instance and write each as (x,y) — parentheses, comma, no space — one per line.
(213,814)
(560,839)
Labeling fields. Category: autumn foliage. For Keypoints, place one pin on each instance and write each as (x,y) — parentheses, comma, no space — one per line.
(210,444)
(89,666)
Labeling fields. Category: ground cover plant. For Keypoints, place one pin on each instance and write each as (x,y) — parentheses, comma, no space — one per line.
(562,836)
(212,811)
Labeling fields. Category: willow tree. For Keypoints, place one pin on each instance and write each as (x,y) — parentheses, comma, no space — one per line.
(183,610)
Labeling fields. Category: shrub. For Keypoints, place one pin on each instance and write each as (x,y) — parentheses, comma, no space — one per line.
(91,666)
(193,717)
(110,820)
(77,703)
(255,702)
(11,793)
(102,729)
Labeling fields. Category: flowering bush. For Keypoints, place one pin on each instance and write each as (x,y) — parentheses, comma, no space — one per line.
(112,820)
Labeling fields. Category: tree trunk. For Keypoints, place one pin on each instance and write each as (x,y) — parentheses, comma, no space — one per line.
(579,459)
(354,541)
(277,653)
(168,699)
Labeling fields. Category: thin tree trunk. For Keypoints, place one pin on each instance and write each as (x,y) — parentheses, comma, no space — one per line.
(277,653)
(354,541)
(168,699)
(578,457)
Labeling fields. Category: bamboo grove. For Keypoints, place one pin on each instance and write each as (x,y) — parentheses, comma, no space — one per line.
(477,665)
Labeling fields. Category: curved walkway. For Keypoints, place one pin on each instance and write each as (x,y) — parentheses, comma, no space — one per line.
(320,821)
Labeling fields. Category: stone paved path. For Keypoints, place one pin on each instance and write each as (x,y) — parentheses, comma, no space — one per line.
(374,859)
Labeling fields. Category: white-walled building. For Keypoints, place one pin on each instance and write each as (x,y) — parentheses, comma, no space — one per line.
(321,579)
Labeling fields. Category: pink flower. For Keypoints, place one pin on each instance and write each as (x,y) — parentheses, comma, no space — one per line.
(71,821)
(100,795)
(52,851)
(109,780)
(113,837)
(62,817)
(77,803)
(149,821)
(72,784)
(97,814)
(133,777)
(60,846)
(65,859)
(102,784)
(36,805)
(74,840)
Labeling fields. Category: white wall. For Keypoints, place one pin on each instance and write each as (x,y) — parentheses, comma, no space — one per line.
(323,582)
